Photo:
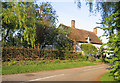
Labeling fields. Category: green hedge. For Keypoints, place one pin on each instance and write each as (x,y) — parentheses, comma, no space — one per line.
(18,54)
(89,49)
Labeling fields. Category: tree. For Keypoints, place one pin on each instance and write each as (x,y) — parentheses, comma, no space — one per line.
(33,27)
(15,19)
(8,22)
(46,24)
(62,41)
(113,34)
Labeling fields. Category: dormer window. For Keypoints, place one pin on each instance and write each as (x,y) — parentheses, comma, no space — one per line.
(88,39)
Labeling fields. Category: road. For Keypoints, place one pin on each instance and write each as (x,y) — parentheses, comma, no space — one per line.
(87,73)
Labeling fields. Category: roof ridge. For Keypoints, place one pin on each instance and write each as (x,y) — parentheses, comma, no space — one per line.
(84,30)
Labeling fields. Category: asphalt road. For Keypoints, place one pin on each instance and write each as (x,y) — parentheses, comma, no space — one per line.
(88,73)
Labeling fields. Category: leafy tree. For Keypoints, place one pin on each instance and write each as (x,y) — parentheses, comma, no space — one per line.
(113,33)
(45,25)
(62,40)
(89,49)
(33,27)
(15,19)
(8,23)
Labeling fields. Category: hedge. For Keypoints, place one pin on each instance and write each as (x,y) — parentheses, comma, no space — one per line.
(18,54)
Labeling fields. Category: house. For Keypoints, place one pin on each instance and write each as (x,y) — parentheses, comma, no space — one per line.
(79,36)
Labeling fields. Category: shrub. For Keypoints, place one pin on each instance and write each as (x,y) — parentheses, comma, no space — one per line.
(89,49)
(98,60)
(91,58)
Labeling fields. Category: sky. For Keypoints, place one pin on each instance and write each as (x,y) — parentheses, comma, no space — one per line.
(68,11)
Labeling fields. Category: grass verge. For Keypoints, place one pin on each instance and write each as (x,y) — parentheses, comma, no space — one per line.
(107,77)
(32,66)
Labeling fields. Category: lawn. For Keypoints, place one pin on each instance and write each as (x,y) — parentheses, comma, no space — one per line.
(34,66)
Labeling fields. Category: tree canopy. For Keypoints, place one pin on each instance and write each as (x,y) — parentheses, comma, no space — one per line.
(28,22)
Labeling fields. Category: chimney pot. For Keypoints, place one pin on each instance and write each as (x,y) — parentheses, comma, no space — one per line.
(73,23)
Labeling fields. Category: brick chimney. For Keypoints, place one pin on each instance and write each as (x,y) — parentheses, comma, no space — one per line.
(73,23)
(95,30)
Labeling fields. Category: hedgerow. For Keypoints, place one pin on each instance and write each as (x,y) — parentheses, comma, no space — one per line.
(18,54)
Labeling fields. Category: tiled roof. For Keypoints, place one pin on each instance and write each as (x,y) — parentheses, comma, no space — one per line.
(81,35)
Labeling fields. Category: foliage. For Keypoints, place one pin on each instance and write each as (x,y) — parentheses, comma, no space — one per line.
(89,49)
(91,58)
(98,60)
(45,25)
(82,58)
(114,41)
(18,54)
(112,32)
(23,19)
(62,41)
(17,22)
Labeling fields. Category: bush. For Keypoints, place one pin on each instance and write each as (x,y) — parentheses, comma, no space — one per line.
(98,60)
(89,49)
(91,58)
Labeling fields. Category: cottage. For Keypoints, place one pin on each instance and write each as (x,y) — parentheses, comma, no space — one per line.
(79,36)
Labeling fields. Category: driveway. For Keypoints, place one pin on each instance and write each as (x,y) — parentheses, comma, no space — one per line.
(87,73)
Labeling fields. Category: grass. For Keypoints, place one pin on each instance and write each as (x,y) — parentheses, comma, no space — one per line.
(107,77)
(33,66)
